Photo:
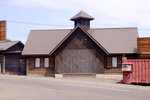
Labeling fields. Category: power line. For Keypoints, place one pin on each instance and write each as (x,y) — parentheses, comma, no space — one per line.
(20,22)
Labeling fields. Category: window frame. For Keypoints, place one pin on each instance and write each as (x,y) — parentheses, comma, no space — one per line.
(37,62)
(46,63)
(114,62)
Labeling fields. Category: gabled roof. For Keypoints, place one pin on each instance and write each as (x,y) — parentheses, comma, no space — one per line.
(72,31)
(111,40)
(116,40)
(5,45)
(42,42)
(82,14)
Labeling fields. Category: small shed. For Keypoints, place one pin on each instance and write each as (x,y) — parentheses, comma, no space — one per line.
(11,61)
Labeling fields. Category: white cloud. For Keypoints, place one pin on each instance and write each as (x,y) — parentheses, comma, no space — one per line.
(113,12)
(55,4)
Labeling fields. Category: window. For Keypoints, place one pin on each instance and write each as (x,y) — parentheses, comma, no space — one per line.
(46,62)
(37,62)
(114,61)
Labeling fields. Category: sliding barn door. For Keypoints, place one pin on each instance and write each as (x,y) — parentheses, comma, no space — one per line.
(79,61)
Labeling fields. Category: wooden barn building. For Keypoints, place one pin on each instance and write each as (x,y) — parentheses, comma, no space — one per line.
(79,51)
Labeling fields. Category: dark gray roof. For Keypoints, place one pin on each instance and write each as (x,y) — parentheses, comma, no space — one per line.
(4,45)
(114,40)
(82,14)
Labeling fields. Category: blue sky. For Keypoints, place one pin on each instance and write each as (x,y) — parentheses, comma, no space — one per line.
(56,13)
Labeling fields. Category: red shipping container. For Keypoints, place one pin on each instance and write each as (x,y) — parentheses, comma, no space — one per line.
(136,71)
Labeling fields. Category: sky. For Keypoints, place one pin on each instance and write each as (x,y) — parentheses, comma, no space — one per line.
(25,15)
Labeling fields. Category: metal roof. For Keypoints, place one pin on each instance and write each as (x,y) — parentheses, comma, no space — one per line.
(4,45)
(114,40)
(42,42)
(82,14)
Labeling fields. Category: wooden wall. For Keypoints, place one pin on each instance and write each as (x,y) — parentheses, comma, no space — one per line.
(31,70)
(143,45)
(144,56)
(2,30)
(109,69)
(79,41)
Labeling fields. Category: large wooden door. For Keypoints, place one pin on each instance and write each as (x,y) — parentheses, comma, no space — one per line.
(15,65)
(79,61)
(12,63)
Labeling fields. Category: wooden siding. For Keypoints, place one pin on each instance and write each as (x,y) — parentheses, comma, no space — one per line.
(109,62)
(79,41)
(41,70)
(2,30)
(119,59)
(110,70)
(144,56)
(143,45)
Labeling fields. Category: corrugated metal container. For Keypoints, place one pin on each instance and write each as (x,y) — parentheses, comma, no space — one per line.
(139,73)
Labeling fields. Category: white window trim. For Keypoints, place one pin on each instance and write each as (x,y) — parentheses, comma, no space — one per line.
(37,62)
(46,62)
(114,62)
